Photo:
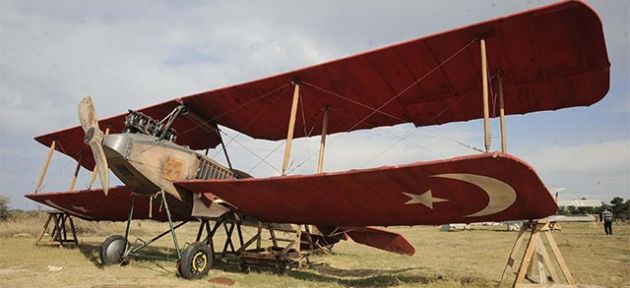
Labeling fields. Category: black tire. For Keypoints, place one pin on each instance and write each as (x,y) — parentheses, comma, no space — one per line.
(196,261)
(112,250)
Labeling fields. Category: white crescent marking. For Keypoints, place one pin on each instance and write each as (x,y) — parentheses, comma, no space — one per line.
(500,194)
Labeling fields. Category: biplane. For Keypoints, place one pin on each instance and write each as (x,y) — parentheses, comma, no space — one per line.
(547,58)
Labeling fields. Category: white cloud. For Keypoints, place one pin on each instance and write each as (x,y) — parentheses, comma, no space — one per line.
(599,157)
(598,170)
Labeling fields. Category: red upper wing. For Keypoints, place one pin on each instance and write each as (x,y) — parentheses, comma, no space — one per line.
(94,205)
(551,57)
(377,196)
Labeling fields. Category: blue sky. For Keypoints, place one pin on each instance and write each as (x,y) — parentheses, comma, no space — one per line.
(133,54)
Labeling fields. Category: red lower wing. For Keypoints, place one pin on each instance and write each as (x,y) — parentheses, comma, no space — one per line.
(479,188)
(94,205)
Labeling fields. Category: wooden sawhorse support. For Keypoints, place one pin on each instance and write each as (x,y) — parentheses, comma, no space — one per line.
(63,226)
(535,257)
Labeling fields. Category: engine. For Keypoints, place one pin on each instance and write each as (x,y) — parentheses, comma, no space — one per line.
(139,123)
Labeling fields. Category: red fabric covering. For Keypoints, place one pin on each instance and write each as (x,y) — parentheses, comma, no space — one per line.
(551,57)
(376,197)
(94,205)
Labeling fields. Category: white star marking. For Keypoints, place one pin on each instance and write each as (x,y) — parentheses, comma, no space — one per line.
(80,208)
(425,199)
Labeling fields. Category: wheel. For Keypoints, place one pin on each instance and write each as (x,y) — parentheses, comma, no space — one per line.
(196,261)
(112,250)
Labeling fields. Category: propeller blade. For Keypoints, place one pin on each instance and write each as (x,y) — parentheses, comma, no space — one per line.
(100,160)
(87,114)
(94,138)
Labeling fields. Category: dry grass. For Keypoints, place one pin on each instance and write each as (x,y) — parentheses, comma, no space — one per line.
(457,259)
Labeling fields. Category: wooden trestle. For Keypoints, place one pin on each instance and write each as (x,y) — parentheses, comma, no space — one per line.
(63,232)
(537,265)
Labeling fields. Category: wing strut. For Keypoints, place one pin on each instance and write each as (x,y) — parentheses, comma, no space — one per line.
(45,168)
(73,180)
(294,106)
(486,116)
(322,143)
(501,112)
(484,81)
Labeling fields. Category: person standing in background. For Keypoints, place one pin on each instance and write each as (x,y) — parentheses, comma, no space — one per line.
(607,218)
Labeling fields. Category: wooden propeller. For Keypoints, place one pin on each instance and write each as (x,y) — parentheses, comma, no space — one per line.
(94,138)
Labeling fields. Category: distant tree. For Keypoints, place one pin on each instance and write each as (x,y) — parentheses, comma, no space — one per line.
(617,206)
(590,210)
(571,209)
(598,210)
(4,208)
(562,210)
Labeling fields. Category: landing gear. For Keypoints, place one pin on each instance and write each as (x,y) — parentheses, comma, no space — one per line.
(117,249)
(112,250)
(196,261)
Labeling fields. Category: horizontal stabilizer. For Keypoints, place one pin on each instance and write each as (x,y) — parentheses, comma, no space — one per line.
(381,239)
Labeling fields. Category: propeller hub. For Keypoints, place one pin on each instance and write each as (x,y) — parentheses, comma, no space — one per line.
(89,134)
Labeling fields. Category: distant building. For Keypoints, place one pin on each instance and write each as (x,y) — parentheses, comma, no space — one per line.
(580,203)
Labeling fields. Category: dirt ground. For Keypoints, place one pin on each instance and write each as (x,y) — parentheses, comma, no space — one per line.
(473,258)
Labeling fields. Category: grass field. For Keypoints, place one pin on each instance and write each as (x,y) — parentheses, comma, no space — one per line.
(473,258)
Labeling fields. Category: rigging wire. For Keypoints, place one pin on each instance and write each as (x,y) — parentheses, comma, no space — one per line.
(236,108)
(426,130)
(56,173)
(59,169)
(250,151)
(413,84)
(266,156)
(306,134)
(379,109)
(210,121)
(250,123)
(398,141)
(373,111)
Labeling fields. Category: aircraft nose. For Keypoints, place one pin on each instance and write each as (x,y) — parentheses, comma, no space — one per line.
(116,145)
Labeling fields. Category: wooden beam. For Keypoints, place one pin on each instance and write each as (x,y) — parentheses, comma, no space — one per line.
(516,247)
(298,240)
(287,149)
(42,175)
(322,142)
(484,82)
(547,261)
(502,112)
(556,253)
(527,259)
